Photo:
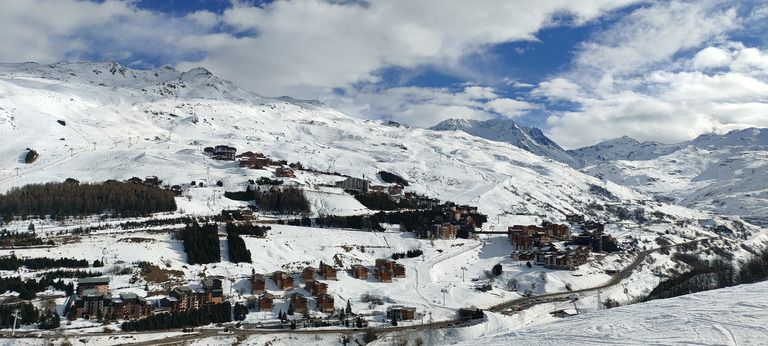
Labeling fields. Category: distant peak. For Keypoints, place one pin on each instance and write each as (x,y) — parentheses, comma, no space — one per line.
(199,71)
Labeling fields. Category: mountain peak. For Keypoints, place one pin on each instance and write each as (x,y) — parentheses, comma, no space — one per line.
(506,130)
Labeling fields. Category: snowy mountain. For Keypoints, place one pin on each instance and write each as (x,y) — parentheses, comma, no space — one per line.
(624,148)
(723,173)
(121,122)
(100,121)
(505,130)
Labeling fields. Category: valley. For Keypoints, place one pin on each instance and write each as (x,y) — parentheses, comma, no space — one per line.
(119,124)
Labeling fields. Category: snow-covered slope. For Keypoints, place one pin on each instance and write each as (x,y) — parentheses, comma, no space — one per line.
(723,173)
(623,148)
(729,316)
(527,138)
(99,121)
(139,123)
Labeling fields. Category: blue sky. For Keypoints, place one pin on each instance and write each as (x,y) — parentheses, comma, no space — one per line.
(583,71)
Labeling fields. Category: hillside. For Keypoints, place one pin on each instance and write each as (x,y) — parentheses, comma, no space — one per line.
(712,172)
(527,138)
(99,121)
(722,173)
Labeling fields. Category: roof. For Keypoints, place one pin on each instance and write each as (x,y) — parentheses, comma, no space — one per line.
(129,295)
(98,280)
(91,292)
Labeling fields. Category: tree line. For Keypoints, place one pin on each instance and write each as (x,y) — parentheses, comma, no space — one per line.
(14,263)
(288,200)
(21,239)
(71,198)
(29,288)
(248,229)
(201,243)
(215,313)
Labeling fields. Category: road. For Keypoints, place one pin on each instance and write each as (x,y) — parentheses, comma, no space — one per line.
(615,280)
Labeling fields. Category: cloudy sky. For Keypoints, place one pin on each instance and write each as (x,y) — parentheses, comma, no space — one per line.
(583,71)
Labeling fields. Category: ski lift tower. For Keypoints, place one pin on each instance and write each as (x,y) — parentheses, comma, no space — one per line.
(15,318)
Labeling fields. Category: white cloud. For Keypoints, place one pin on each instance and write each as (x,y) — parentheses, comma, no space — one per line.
(653,34)
(558,89)
(313,46)
(424,107)
(666,72)
(711,57)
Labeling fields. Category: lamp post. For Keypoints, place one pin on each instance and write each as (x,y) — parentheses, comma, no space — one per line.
(463,268)
(444,292)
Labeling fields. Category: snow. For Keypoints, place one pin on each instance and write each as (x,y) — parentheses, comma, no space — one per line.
(730,316)
(122,123)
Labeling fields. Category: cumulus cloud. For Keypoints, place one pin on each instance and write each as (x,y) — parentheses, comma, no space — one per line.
(666,72)
(423,107)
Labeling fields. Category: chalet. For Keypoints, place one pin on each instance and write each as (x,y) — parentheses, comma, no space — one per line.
(300,303)
(564,313)
(253,160)
(575,218)
(283,280)
(284,172)
(401,313)
(328,272)
(258,284)
(356,184)
(382,275)
(308,273)
(315,287)
(543,252)
(399,271)
(359,271)
(176,190)
(100,284)
(266,301)
(224,152)
(385,264)
(523,255)
(136,180)
(152,180)
(325,303)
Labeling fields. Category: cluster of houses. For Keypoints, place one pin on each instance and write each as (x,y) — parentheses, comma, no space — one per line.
(534,244)
(549,255)
(93,300)
(285,281)
(386,269)
(594,237)
(457,219)
(251,159)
